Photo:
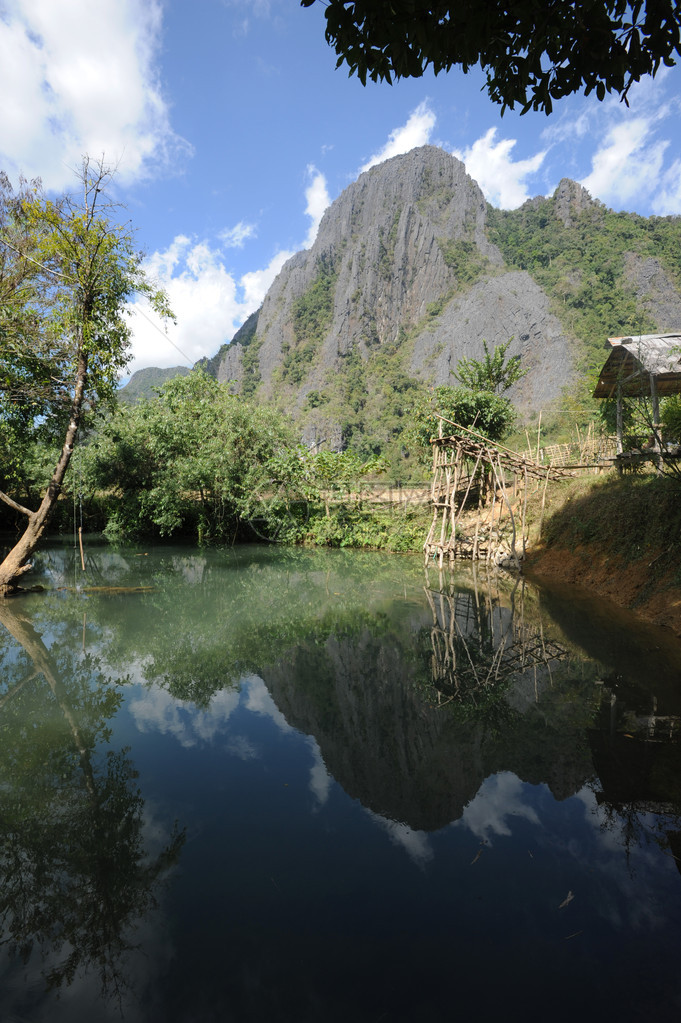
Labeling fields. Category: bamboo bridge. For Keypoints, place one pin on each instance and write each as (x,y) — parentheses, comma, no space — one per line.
(479,498)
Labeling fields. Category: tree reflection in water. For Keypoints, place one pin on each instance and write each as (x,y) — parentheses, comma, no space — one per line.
(479,713)
(482,643)
(76,877)
(637,758)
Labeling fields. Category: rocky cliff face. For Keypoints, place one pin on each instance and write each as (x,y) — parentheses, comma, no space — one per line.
(382,241)
(654,290)
(403,281)
(401,260)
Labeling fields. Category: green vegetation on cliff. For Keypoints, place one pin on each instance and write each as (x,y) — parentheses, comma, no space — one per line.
(311,318)
(582,265)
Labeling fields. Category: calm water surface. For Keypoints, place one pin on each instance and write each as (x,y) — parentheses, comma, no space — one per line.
(265,784)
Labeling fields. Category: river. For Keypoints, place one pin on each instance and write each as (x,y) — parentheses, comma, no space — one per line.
(281,784)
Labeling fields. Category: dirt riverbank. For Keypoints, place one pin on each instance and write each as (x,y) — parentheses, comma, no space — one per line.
(645,586)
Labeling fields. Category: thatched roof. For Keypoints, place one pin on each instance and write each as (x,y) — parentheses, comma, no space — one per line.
(633,360)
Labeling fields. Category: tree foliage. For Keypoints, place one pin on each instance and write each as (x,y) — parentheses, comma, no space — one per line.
(197,459)
(66,273)
(494,373)
(193,458)
(484,411)
(670,415)
(342,473)
(532,53)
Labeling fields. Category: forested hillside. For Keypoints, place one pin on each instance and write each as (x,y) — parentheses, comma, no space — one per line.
(608,273)
(145,382)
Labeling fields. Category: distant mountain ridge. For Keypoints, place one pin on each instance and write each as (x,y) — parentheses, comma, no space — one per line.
(144,382)
(412,269)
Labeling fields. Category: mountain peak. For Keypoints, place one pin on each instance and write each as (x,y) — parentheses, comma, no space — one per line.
(571,199)
(405,279)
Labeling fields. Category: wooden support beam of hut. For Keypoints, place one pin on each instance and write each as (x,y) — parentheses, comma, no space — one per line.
(643,366)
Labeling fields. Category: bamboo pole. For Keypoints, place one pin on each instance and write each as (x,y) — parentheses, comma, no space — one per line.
(477,527)
(524,510)
(80,541)
(543,502)
(510,512)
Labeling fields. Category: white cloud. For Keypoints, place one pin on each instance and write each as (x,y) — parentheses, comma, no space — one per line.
(318,200)
(256,283)
(628,161)
(502,179)
(667,198)
(81,78)
(416,132)
(626,147)
(209,302)
(204,298)
(234,237)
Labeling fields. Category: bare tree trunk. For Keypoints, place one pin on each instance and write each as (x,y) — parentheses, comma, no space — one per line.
(17,563)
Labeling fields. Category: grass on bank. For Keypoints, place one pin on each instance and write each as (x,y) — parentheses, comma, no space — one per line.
(630,517)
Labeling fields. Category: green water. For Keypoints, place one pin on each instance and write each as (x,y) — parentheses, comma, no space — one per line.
(270,784)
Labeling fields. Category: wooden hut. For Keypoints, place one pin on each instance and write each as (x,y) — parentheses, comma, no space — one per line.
(641,366)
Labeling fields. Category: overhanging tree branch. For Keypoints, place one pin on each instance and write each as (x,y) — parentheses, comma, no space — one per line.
(532,53)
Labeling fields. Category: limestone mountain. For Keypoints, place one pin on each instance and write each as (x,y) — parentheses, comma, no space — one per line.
(411,270)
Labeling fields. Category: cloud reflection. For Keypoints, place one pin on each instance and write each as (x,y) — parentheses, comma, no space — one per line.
(258,700)
(320,779)
(624,900)
(157,710)
(416,844)
(499,797)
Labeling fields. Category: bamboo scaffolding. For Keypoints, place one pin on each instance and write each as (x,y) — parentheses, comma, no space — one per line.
(463,524)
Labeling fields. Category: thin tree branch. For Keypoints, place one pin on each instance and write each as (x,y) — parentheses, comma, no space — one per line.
(49,270)
(13,504)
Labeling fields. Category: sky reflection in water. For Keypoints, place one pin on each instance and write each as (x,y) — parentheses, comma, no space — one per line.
(301,785)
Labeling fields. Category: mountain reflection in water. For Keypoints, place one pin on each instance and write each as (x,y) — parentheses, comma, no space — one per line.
(317,785)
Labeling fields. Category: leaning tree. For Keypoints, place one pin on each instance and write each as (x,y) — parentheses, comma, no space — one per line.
(67,272)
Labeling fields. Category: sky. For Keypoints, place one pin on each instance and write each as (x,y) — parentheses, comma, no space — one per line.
(231,130)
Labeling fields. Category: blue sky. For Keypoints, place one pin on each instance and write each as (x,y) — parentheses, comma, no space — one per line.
(232,131)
